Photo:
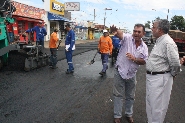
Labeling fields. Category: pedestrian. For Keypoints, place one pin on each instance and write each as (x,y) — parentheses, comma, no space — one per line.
(70,47)
(40,33)
(162,66)
(105,48)
(133,53)
(116,46)
(53,49)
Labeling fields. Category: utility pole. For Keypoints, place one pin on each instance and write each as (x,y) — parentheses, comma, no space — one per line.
(167,14)
(94,15)
(105,16)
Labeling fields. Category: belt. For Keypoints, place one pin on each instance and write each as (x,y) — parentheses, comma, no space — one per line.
(154,73)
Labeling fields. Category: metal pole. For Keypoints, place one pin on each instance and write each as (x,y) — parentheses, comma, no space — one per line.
(94,15)
(104,18)
(167,14)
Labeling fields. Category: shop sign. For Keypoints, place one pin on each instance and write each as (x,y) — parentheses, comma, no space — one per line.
(28,11)
(56,7)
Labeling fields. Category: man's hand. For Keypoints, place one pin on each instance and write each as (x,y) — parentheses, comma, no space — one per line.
(98,50)
(60,40)
(130,56)
(110,55)
(69,49)
(182,60)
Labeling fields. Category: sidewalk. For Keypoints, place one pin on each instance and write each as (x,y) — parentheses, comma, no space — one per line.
(46,43)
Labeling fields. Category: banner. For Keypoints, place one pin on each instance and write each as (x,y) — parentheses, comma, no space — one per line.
(28,11)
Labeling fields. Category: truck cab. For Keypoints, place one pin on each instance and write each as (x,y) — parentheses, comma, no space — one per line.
(147,38)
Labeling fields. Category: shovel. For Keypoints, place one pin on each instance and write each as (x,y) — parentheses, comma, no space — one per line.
(59,43)
(92,61)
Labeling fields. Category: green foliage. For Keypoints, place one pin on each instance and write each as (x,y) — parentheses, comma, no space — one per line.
(157,18)
(177,23)
(147,24)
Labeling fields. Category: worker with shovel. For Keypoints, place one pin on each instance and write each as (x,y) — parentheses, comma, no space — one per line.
(105,48)
(53,49)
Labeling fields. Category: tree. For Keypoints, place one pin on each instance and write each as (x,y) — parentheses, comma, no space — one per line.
(147,24)
(177,23)
(157,18)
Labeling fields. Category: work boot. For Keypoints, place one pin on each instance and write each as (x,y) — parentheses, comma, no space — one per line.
(54,67)
(69,71)
(102,73)
(50,65)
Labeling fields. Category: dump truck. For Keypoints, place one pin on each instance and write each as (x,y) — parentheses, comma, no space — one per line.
(179,38)
(147,38)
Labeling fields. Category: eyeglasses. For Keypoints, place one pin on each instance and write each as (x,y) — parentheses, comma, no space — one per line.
(136,31)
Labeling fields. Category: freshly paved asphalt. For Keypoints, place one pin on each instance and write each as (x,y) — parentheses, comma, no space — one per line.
(50,96)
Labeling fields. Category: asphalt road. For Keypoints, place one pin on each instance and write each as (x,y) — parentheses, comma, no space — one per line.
(50,96)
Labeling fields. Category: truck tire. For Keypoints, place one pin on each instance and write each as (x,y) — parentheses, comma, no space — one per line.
(1,63)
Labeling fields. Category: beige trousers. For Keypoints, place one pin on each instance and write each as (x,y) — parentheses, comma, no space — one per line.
(158,91)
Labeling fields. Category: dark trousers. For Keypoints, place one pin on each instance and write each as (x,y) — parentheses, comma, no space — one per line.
(115,52)
(40,41)
(104,57)
(11,36)
(69,55)
(53,57)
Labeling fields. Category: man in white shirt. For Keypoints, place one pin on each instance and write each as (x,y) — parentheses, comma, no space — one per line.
(162,66)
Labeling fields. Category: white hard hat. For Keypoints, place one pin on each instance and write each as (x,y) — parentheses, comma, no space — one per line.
(105,31)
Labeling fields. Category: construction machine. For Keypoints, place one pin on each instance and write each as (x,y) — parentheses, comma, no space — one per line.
(30,56)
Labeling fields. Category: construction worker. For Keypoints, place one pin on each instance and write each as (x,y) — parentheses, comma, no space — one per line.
(53,49)
(105,48)
(116,46)
(40,33)
(70,47)
(10,32)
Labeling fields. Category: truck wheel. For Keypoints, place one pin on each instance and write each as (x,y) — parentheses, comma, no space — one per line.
(1,62)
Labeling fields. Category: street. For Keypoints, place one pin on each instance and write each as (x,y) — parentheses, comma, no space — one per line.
(50,96)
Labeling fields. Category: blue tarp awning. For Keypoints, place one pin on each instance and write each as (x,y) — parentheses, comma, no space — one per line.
(81,27)
(52,16)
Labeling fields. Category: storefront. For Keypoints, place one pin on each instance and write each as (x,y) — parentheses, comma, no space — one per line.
(55,19)
(26,17)
(81,30)
(91,30)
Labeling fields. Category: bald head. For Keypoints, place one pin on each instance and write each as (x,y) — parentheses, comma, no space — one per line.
(119,34)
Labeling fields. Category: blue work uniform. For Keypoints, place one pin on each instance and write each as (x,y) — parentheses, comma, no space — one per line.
(40,33)
(116,46)
(116,42)
(70,42)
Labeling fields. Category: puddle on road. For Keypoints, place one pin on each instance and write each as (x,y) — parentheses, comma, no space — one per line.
(83,69)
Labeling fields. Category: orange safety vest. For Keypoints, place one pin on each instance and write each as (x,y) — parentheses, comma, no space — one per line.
(53,40)
(105,45)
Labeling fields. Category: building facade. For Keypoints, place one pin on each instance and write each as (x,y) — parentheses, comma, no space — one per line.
(55,18)
(26,17)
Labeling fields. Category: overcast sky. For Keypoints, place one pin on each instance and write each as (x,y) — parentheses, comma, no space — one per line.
(124,13)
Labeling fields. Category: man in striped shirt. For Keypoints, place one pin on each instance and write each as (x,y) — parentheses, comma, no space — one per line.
(133,52)
(162,66)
